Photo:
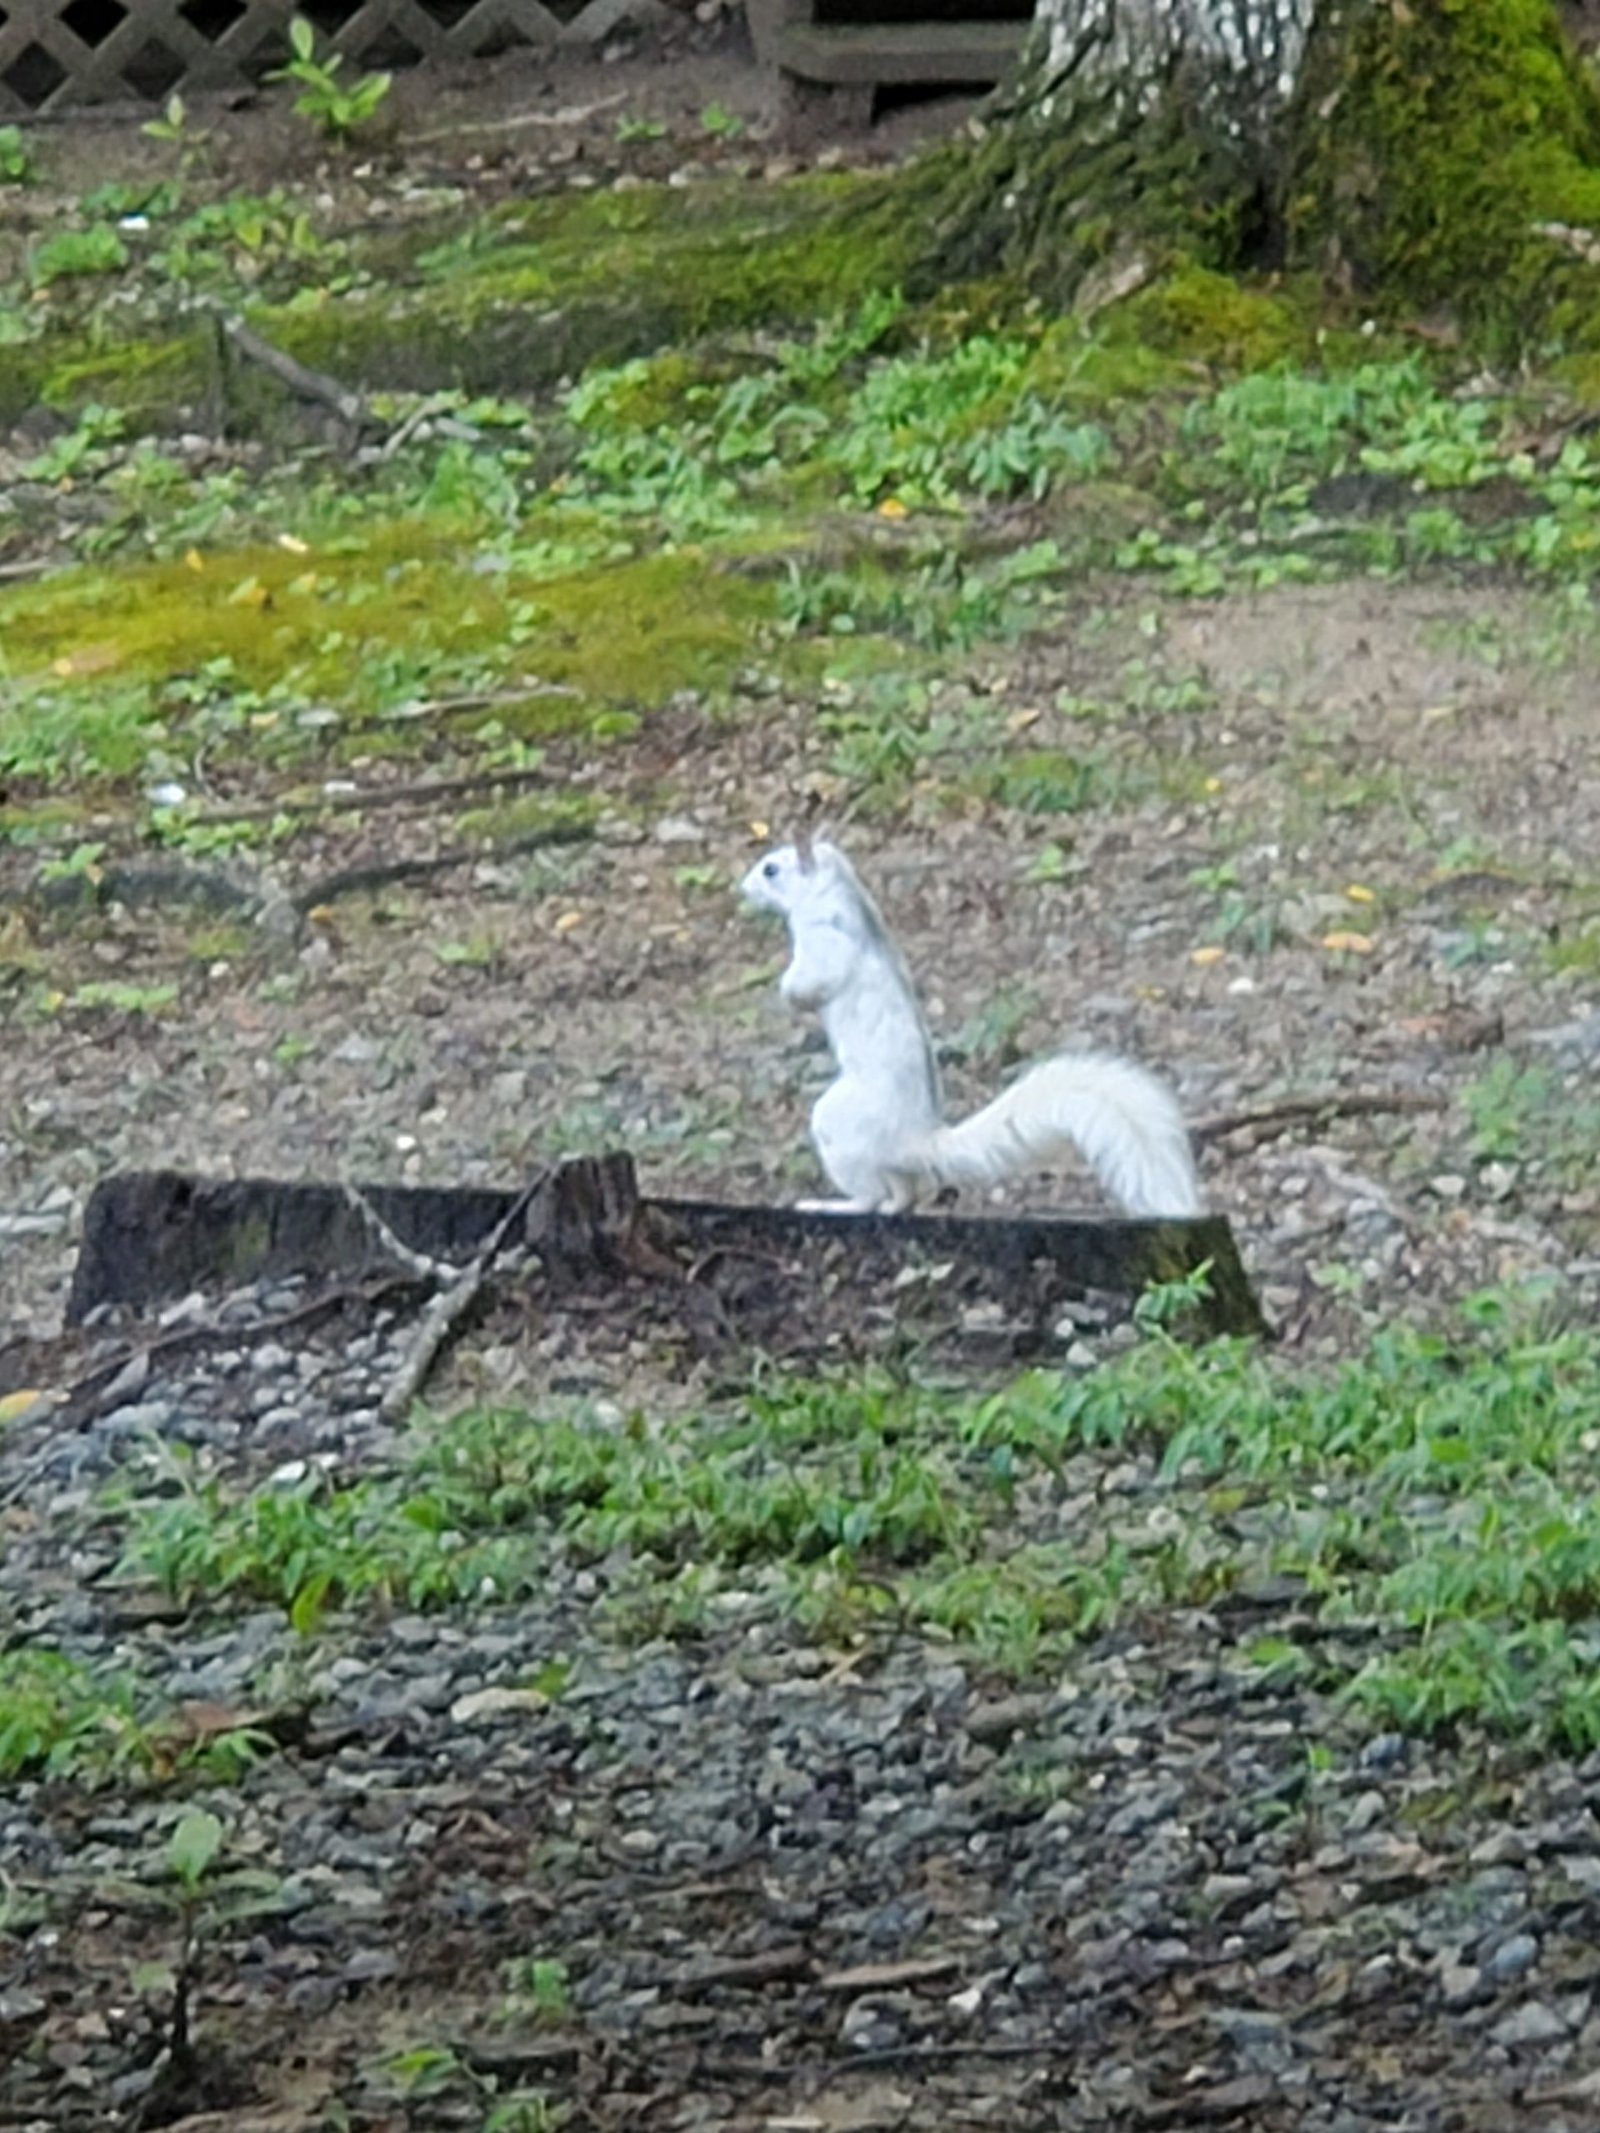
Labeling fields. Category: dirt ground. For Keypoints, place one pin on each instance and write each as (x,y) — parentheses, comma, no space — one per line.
(1404,772)
(527,112)
(803,1889)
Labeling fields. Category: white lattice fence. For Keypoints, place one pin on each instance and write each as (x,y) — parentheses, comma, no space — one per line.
(60,52)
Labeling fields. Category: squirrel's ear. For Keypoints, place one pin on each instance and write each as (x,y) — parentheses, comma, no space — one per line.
(807,843)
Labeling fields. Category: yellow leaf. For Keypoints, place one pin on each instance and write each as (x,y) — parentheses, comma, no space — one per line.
(891,507)
(567,920)
(1359,893)
(1020,721)
(1205,957)
(761,829)
(1348,943)
(294,544)
(193,559)
(1213,785)
(305,583)
(321,914)
(249,592)
(17,1404)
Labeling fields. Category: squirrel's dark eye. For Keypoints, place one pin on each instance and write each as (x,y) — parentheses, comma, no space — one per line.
(770,870)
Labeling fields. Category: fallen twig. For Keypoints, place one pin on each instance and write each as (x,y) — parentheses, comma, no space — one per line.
(299,377)
(432,415)
(417,1263)
(820,2070)
(366,800)
(570,115)
(384,873)
(1294,1110)
(441,1318)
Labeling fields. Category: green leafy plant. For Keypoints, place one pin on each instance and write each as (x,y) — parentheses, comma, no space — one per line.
(338,111)
(541,1983)
(84,449)
(56,1717)
(96,250)
(59,1718)
(205,1898)
(16,158)
(176,127)
(526,2111)
(721,123)
(82,863)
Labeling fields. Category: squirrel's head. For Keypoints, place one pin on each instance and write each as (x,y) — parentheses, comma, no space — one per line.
(786,879)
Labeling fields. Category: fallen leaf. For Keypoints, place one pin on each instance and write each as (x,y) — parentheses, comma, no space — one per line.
(193,559)
(1359,893)
(1205,957)
(891,507)
(294,544)
(249,592)
(15,1406)
(1348,943)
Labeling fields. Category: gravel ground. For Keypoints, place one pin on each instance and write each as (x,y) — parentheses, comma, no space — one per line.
(791,1885)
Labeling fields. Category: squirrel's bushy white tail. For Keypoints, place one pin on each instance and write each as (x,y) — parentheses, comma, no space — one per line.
(1121,1120)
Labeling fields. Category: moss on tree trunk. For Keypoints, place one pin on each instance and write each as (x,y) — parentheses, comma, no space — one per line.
(1447,155)
(1418,155)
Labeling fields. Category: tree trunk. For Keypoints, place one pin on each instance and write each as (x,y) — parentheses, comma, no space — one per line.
(1417,154)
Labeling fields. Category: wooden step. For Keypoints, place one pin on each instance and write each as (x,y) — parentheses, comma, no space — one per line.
(968,51)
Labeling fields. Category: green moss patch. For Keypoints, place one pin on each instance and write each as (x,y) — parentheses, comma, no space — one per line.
(509,303)
(108,663)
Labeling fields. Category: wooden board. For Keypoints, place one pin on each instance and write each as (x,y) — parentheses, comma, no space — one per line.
(152,1236)
(957,48)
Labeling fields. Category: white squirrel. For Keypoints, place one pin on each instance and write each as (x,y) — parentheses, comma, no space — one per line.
(879,1129)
